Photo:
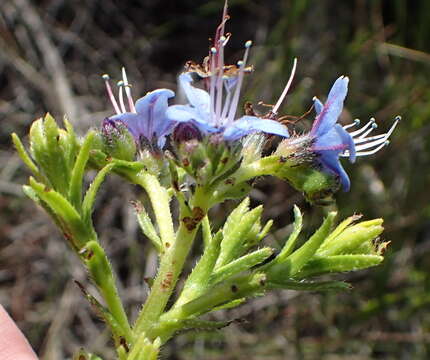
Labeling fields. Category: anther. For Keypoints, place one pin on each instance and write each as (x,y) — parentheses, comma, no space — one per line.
(357,122)
(248,44)
(213,50)
(120,83)
(240,63)
(105,77)
(398,118)
(374,125)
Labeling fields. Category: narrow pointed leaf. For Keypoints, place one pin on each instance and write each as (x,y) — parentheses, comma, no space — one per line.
(146,225)
(90,196)
(292,239)
(77,175)
(243,263)
(338,263)
(198,280)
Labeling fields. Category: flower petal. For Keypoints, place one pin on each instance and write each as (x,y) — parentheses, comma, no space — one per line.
(198,98)
(329,114)
(132,121)
(249,124)
(318,105)
(152,110)
(330,162)
(347,140)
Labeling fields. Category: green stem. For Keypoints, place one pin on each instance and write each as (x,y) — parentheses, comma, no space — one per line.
(172,262)
(239,287)
(102,274)
(264,166)
(160,203)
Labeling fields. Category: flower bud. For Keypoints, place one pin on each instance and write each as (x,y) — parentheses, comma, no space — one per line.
(359,238)
(118,141)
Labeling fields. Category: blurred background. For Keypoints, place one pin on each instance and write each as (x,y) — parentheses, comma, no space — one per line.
(52,53)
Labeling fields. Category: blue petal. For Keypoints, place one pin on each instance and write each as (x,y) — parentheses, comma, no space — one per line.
(132,121)
(328,116)
(182,113)
(199,98)
(330,161)
(152,109)
(318,105)
(187,113)
(249,124)
(347,140)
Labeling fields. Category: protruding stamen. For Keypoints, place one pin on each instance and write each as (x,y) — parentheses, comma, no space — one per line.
(355,123)
(368,131)
(287,87)
(226,102)
(374,151)
(120,84)
(212,80)
(127,87)
(364,128)
(376,142)
(112,99)
(219,80)
(235,101)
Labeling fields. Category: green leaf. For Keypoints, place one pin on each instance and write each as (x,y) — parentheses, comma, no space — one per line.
(90,196)
(102,274)
(73,226)
(198,280)
(26,159)
(146,225)
(206,231)
(59,172)
(292,239)
(77,175)
(143,349)
(310,285)
(338,263)
(230,305)
(235,235)
(103,313)
(293,263)
(236,215)
(352,238)
(242,264)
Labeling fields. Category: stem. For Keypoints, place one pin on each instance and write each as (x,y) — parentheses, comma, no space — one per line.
(225,292)
(160,203)
(265,166)
(172,262)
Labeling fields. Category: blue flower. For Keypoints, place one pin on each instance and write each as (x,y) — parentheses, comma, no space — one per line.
(330,140)
(146,119)
(214,111)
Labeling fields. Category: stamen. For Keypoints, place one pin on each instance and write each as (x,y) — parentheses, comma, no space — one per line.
(219,84)
(227,101)
(355,123)
(287,87)
(235,101)
(128,91)
(120,84)
(112,99)
(370,152)
(367,143)
(373,127)
(364,128)
(212,80)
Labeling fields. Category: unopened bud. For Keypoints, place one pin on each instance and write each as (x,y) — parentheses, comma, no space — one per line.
(118,141)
